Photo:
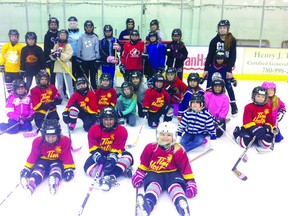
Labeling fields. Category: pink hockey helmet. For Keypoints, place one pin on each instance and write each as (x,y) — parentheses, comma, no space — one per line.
(268,85)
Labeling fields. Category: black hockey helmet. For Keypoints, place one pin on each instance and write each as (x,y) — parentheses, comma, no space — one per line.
(31,35)
(153,34)
(176,32)
(108,28)
(219,54)
(259,90)
(193,77)
(108,112)
(72,19)
(82,91)
(199,98)
(105,77)
(154,22)
(63,31)
(158,78)
(51,127)
(53,20)
(135,74)
(171,70)
(88,23)
(224,23)
(19,83)
(134,32)
(127,85)
(42,73)
(13,32)
(219,82)
(129,20)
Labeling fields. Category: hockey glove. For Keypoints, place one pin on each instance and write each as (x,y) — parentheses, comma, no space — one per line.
(56,54)
(201,81)
(99,158)
(281,114)
(220,122)
(65,116)
(117,47)
(110,162)
(171,90)
(25,172)
(122,69)
(2,68)
(138,178)
(258,131)
(68,174)
(57,101)
(191,189)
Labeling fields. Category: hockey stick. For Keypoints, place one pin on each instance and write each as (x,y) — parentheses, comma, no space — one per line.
(86,78)
(136,141)
(97,175)
(2,132)
(234,169)
(200,155)
(69,134)
(34,133)
(9,194)
(64,66)
(136,201)
(267,150)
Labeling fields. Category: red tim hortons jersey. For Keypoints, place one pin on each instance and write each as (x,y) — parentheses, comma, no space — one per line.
(105,98)
(154,100)
(61,151)
(113,141)
(158,160)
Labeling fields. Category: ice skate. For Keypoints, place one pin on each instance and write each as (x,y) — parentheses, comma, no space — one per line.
(53,184)
(107,182)
(128,173)
(28,185)
(182,206)
(144,206)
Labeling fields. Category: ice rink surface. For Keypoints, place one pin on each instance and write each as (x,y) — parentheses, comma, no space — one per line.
(220,192)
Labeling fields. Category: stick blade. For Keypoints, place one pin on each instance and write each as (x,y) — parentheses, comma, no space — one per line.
(240,175)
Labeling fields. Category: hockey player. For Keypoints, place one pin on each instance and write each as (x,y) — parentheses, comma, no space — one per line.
(50,40)
(139,89)
(19,109)
(45,97)
(131,58)
(50,157)
(88,56)
(62,53)
(164,166)
(217,104)
(257,121)
(32,59)
(125,34)
(176,52)
(154,27)
(106,146)
(108,51)
(196,124)
(126,104)
(193,81)
(224,41)
(155,57)
(157,102)
(10,59)
(73,37)
(81,105)
(105,95)
(277,105)
(175,87)
(218,66)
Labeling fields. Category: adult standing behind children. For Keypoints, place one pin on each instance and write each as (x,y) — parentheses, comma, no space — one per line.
(125,34)
(226,42)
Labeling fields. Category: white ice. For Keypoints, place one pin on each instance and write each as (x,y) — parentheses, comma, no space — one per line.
(220,192)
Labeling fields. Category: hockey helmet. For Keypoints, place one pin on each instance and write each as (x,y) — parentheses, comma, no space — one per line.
(259,90)
(105,77)
(108,112)
(31,35)
(84,90)
(42,73)
(19,83)
(61,32)
(199,98)
(166,127)
(176,32)
(218,82)
(51,127)
(127,85)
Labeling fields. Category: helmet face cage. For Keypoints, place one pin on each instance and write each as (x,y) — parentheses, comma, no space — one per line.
(39,76)
(259,90)
(218,82)
(18,83)
(199,98)
(127,85)
(105,77)
(166,127)
(51,127)
(108,112)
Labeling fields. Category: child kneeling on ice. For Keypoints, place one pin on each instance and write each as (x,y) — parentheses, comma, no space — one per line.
(164,165)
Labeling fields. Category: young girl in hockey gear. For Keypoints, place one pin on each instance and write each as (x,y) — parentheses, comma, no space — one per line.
(81,105)
(50,157)
(62,51)
(106,146)
(126,104)
(45,97)
(257,121)
(196,124)
(217,103)
(157,102)
(175,87)
(10,59)
(131,58)
(156,54)
(220,68)
(73,37)
(50,39)
(278,106)
(154,27)
(19,109)
(176,52)
(32,59)
(105,95)
(89,56)
(193,81)
(108,48)
(164,165)
(139,89)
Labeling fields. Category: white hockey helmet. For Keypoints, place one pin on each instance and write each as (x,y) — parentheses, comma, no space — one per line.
(167,127)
